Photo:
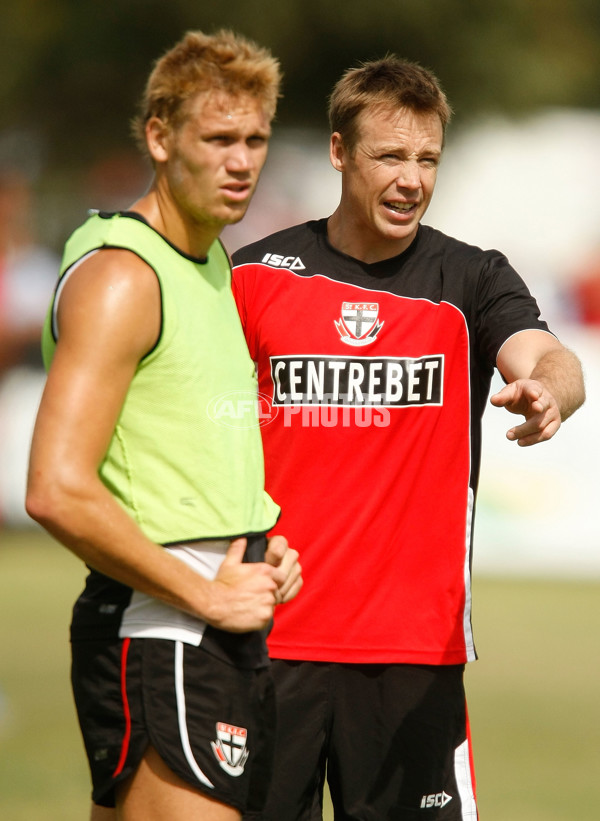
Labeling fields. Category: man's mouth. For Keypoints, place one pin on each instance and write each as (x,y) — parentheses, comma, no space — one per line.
(400,207)
(237,190)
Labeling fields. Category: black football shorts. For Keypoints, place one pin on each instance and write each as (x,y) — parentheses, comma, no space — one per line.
(392,741)
(212,723)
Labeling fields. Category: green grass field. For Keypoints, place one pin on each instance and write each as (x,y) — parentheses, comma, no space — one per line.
(534,696)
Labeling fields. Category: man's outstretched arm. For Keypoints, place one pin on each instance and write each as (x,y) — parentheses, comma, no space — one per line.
(545,385)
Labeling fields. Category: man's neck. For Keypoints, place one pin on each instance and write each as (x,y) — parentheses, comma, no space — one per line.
(193,240)
(345,237)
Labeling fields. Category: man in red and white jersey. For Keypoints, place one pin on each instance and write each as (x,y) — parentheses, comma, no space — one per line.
(376,338)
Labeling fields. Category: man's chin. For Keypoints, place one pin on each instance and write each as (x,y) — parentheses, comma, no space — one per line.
(225,215)
(236,214)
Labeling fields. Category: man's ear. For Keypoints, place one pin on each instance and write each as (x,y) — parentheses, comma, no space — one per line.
(337,151)
(157,139)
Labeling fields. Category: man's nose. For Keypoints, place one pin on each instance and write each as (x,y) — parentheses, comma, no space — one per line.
(240,158)
(408,175)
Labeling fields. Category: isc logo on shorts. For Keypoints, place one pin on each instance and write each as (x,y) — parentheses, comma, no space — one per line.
(230,747)
(439,799)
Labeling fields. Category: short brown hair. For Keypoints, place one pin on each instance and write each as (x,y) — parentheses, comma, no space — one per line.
(390,83)
(222,62)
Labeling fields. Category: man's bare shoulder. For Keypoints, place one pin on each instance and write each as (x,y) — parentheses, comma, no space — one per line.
(113,267)
(112,291)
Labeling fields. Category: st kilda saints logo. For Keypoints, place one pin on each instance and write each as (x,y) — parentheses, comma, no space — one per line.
(230,748)
(359,323)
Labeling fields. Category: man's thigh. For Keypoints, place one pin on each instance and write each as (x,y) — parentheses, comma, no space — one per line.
(399,745)
(155,793)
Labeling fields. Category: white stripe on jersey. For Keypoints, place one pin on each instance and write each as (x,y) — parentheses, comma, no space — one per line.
(468,630)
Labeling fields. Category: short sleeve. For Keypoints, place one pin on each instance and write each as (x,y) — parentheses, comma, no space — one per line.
(504,307)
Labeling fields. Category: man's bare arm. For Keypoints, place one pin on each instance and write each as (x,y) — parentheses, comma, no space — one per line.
(545,385)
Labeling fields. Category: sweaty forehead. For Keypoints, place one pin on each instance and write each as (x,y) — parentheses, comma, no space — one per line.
(228,107)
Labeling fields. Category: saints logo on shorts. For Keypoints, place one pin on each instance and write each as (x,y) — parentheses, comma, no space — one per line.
(230,748)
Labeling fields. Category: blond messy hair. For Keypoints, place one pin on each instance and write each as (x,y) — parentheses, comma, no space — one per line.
(222,62)
(390,82)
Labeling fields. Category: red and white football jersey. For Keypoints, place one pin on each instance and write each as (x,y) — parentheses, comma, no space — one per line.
(373,379)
